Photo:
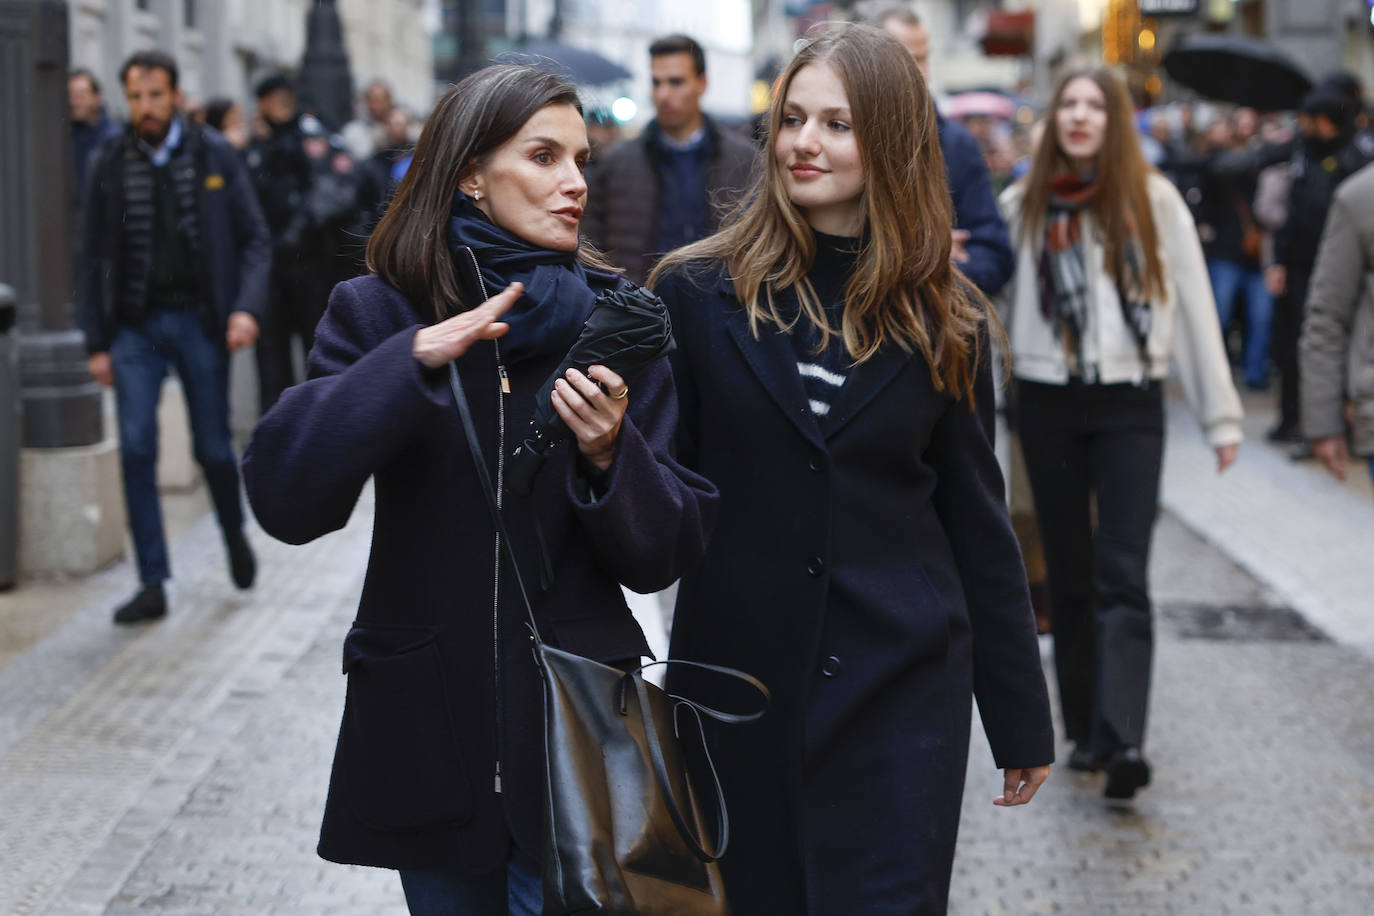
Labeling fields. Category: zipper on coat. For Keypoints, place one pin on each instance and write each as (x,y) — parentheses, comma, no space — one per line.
(504,390)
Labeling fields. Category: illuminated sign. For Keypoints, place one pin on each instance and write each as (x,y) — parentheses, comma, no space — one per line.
(1168,7)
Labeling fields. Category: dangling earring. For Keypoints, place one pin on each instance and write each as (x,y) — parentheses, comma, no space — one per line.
(476,195)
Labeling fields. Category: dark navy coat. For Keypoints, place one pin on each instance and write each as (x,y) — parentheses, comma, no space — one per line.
(869,576)
(414,777)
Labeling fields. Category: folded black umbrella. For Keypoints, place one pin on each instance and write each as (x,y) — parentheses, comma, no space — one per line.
(1237,69)
(627,329)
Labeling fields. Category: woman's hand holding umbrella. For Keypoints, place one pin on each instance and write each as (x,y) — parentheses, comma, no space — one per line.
(592,411)
(449,339)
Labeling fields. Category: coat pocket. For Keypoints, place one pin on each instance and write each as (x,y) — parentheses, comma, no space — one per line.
(404,768)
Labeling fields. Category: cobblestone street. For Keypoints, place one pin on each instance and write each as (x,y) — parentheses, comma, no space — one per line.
(180,768)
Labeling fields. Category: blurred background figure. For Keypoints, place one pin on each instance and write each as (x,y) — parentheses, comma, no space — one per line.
(366,134)
(307,189)
(1337,347)
(1110,287)
(1232,243)
(671,185)
(226,116)
(603,132)
(1328,154)
(378,177)
(981,248)
(90,124)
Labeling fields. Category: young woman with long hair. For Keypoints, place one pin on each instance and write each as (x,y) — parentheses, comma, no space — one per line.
(834,381)
(1110,283)
(439,767)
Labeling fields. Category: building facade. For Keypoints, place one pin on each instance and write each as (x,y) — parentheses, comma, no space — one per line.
(223,46)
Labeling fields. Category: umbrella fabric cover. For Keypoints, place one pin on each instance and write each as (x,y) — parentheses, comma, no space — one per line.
(971,104)
(627,329)
(584,67)
(1239,70)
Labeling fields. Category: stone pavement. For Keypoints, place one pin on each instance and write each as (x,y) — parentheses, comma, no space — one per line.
(180,768)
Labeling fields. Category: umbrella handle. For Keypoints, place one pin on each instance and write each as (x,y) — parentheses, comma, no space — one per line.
(524,466)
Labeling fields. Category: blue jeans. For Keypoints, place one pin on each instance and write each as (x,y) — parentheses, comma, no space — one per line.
(1228,279)
(141,356)
(513,890)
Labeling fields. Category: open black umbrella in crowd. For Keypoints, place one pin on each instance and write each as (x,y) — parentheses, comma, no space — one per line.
(1239,70)
(627,329)
(586,68)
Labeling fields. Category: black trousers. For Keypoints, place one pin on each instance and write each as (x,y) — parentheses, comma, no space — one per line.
(1102,445)
(298,296)
(1288,315)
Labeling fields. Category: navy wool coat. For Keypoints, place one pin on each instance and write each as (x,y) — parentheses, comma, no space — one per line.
(869,576)
(441,680)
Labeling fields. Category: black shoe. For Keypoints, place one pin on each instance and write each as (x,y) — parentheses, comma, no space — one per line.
(1284,432)
(242,564)
(1084,760)
(1127,771)
(149,604)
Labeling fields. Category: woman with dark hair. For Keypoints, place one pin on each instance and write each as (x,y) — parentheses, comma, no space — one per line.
(225,116)
(834,380)
(1110,283)
(439,765)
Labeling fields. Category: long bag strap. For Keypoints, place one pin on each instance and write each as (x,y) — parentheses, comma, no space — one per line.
(632,677)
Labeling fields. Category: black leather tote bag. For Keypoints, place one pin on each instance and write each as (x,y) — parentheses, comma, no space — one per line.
(623,826)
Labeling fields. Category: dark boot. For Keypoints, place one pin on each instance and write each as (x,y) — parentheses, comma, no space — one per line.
(149,604)
(1127,771)
(243,566)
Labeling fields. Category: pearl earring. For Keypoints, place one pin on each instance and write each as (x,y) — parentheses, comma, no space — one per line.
(476,195)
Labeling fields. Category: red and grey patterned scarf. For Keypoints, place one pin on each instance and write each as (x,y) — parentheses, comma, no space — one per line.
(1063,275)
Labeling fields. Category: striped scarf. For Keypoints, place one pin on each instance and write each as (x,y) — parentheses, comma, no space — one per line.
(1063,275)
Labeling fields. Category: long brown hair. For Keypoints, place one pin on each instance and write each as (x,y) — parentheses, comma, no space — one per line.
(903,291)
(1122,198)
(409,248)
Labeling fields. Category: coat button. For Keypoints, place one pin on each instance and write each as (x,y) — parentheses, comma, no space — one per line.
(831,666)
(817,462)
(815,566)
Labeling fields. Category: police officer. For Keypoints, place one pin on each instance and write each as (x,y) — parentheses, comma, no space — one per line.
(306,185)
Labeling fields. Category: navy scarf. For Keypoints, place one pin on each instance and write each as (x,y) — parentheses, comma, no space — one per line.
(557,300)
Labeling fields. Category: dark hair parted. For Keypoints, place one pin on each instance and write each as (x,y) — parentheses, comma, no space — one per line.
(1122,202)
(903,291)
(149,60)
(680,44)
(216,110)
(409,248)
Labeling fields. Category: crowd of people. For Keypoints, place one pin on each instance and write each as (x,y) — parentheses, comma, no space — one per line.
(814,463)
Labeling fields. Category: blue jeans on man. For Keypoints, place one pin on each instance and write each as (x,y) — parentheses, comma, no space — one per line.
(140,356)
(1232,277)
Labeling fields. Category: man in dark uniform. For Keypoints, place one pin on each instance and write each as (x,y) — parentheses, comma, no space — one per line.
(307,189)
(174,275)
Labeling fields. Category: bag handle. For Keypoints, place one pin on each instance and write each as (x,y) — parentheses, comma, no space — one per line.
(722,839)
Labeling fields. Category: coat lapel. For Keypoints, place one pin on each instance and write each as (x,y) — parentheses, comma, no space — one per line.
(773,361)
(863,384)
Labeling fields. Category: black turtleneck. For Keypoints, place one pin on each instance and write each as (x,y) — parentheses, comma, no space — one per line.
(823,373)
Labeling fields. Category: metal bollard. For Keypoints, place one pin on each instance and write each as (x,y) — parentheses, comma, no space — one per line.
(9,439)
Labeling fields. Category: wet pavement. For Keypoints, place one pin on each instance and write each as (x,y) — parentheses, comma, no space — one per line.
(180,768)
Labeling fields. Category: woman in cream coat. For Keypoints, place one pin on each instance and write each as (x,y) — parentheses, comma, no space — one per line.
(1110,284)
